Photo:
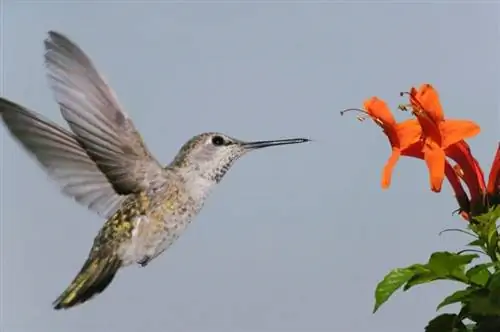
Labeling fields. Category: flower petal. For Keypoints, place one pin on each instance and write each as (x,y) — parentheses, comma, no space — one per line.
(453,131)
(408,132)
(378,109)
(429,101)
(389,167)
(456,185)
(435,159)
(472,173)
(414,150)
(429,127)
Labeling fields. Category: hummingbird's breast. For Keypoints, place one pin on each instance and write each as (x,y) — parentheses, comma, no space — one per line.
(169,209)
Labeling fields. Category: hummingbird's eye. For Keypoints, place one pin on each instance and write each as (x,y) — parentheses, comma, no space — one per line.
(218,141)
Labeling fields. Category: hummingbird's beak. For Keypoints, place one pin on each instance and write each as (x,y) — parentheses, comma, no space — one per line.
(265,144)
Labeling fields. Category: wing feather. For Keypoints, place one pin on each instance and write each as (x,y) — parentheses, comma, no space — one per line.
(62,157)
(93,113)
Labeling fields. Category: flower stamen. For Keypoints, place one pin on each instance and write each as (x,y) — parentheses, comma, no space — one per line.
(404,107)
(459,171)
(359,110)
(414,111)
(364,115)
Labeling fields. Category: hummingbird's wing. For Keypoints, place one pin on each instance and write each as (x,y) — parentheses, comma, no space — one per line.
(62,157)
(93,113)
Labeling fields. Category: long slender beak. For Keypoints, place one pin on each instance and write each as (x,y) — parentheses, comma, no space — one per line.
(265,144)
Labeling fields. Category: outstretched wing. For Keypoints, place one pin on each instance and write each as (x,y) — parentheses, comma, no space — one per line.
(92,111)
(62,157)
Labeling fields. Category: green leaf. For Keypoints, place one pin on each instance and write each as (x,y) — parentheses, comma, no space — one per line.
(476,243)
(442,265)
(479,274)
(484,218)
(481,305)
(488,324)
(492,238)
(495,213)
(445,264)
(391,283)
(494,282)
(494,287)
(486,228)
(445,261)
(446,323)
(458,296)
(492,215)
(420,278)
(418,268)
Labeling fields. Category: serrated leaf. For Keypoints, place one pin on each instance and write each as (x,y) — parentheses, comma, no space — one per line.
(391,283)
(445,263)
(458,296)
(445,323)
(479,274)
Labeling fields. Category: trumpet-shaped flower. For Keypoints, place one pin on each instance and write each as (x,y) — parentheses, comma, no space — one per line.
(438,133)
(434,138)
(401,135)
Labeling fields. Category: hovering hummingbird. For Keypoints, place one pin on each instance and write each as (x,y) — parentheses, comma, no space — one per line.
(104,165)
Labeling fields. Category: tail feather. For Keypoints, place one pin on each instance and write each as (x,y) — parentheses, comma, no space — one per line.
(95,276)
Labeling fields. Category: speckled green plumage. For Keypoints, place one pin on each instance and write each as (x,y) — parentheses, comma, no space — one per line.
(103,261)
(119,227)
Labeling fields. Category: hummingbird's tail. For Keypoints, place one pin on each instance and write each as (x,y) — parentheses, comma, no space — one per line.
(95,275)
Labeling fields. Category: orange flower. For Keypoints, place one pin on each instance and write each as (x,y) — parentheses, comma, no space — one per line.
(461,196)
(433,138)
(470,172)
(438,133)
(483,196)
(401,135)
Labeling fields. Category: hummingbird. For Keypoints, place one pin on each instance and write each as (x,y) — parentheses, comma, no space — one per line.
(103,163)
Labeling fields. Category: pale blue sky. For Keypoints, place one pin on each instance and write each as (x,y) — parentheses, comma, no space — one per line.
(294,238)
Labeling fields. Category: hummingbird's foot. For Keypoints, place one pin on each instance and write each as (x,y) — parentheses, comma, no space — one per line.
(144,261)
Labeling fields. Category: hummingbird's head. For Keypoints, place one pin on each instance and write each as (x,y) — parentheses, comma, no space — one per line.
(211,155)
